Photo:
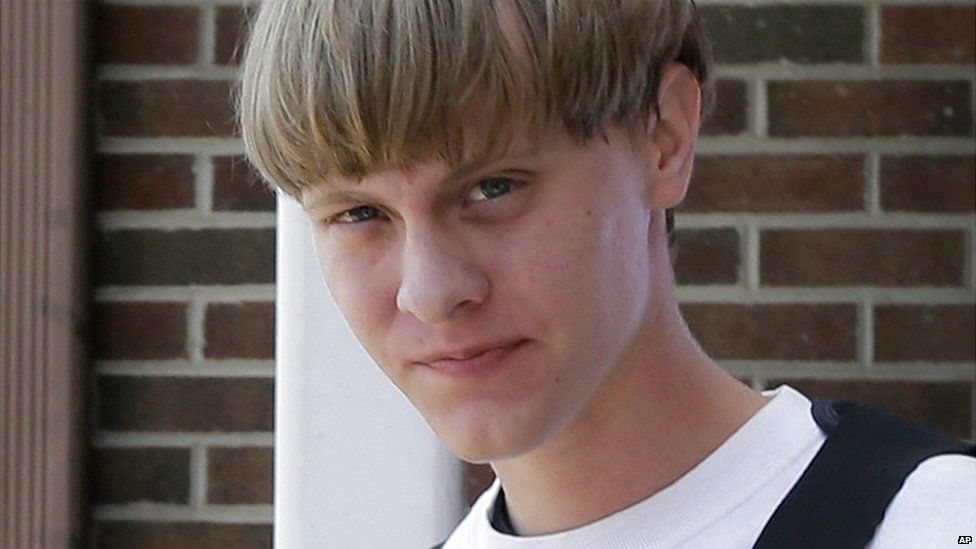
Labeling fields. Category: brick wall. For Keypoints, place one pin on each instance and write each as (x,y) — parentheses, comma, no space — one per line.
(827,238)
(827,241)
(184,298)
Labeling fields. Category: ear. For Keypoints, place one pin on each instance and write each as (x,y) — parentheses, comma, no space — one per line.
(671,135)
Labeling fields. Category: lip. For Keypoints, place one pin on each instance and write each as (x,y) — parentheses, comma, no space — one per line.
(475,362)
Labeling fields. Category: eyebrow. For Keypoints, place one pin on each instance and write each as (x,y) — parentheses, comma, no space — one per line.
(464,171)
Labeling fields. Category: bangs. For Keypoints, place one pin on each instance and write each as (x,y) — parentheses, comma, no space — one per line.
(346,87)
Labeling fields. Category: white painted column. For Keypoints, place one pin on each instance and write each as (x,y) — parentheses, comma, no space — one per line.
(355,464)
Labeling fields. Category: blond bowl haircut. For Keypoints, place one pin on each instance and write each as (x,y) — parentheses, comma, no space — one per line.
(349,86)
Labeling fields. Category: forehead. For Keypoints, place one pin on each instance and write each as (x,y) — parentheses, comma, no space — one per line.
(557,150)
(521,145)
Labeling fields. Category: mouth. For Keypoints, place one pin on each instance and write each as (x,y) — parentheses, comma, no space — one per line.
(478,364)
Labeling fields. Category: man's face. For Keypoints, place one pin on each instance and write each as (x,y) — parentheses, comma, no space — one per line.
(542,256)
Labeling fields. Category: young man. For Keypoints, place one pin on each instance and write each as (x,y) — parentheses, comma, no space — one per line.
(490,184)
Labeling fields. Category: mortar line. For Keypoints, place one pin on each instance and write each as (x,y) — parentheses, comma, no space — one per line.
(832,220)
(872,34)
(865,333)
(160,512)
(751,255)
(198,476)
(972,410)
(162,73)
(915,145)
(171,145)
(185,219)
(970,264)
(759,108)
(872,184)
(853,72)
(177,2)
(207,37)
(972,98)
(203,170)
(758,382)
(196,340)
(713,144)
(753,3)
(935,372)
(736,295)
(847,72)
(230,369)
(146,439)
(184,293)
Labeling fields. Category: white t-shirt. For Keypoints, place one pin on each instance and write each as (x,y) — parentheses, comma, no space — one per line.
(726,500)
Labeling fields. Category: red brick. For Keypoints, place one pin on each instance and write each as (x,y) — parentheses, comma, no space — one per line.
(182,535)
(728,115)
(852,257)
(791,332)
(136,330)
(240,475)
(236,186)
(143,182)
(870,108)
(776,183)
(240,330)
(160,35)
(928,34)
(166,108)
(128,475)
(185,404)
(925,332)
(231,34)
(928,183)
(707,256)
(210,256)
(947,406)
(800,34)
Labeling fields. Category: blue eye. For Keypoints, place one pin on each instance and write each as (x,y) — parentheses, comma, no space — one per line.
(356,215)
(491,188)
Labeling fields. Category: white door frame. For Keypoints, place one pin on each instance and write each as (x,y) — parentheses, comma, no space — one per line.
(355,464)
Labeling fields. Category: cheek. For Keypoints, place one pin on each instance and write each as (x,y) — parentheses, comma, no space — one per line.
(624,266)
(585,254)
(555,266)
(358,284)
(590,272)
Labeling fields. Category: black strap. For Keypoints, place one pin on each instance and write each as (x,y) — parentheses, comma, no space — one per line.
(842,496)
(499,519)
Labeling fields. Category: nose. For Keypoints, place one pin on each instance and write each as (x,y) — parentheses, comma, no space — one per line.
(439,275)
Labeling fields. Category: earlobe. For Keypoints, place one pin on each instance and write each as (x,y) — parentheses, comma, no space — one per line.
(672,136)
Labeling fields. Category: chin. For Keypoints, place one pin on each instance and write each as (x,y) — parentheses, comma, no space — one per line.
(482,445)
(478,454)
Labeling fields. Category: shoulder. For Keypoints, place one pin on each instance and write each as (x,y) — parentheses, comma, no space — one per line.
(936,505)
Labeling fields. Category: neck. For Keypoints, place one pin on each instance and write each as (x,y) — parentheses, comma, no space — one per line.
(661,412)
